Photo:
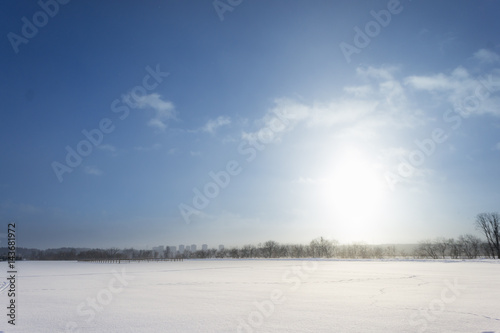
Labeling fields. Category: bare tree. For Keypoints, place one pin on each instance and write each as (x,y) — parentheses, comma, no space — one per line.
(248,251)
(314,246)
(222,253)
(427,249)
(112,253)
(233,252)
(455,248)
(470,245)
(489,224)
(441,245)
(321,247)
(363,250)
(378,252)
(486,250)
(351,251)
(390,251)
(270,248)
(282,251)
(297,251)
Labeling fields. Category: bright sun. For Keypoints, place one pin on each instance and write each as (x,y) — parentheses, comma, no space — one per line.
(353,195)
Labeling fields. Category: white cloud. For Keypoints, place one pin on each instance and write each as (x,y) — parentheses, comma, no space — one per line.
(212,125)
(497,147)
(158,123)
(467,94)
(384,73)
(367,113)
(361,110)
(154,101)
(288,114)
(435,82)
(486,56)
(359,91)
(164,110)
(282,118)
(91,170)
(340,112)
(195,153)
(454,81)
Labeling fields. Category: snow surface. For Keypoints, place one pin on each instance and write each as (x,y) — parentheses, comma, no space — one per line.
(256,296)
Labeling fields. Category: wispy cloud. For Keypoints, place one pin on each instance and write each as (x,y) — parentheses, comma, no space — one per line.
(486,56)
(91,170)
(359,91)
(384,102)
(213,124)
(285,115)
(164,110)
(340,112)
(434,82)
(457,79)
(497,147)
(380,101)
(466,93)
(195,153)
(107,147)
(382,73)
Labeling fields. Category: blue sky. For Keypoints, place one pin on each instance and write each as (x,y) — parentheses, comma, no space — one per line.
(388,135)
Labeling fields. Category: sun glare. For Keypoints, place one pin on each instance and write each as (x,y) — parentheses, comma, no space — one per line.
(353,195)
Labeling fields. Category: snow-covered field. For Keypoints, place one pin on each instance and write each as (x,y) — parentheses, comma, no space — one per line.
(256,296)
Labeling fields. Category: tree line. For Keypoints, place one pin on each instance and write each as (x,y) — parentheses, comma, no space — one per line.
(464,247)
